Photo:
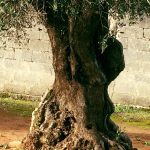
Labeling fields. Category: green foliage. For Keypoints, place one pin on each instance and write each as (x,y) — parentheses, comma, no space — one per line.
(133,8)
(117,8)
(13,13)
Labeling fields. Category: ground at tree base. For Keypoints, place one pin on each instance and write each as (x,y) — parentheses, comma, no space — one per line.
(14,128)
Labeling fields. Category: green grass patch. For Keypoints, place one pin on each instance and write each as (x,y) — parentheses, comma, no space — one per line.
(132,116)
(18,107)
(147,143)
(123,114)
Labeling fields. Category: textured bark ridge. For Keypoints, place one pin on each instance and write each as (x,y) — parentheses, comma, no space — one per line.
(75,114)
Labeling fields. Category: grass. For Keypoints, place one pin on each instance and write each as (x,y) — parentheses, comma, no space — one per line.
(18,107)
(123,114)
(147,143)
(132,116)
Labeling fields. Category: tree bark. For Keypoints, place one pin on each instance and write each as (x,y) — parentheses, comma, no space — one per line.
(75,114)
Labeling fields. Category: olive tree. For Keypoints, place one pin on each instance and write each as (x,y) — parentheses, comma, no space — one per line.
(75,113)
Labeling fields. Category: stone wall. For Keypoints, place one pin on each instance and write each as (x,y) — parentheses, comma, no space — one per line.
(26,65)
(133,84)
(26,68)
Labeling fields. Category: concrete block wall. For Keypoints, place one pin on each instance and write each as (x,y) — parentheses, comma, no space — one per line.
(133,84)
(26,68)
(26,65)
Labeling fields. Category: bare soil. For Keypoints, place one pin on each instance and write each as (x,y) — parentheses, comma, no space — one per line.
(139,136)
(14,128)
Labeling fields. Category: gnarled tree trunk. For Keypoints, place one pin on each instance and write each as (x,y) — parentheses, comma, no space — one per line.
(75,114)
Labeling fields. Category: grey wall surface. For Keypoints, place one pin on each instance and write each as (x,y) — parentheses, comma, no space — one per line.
(26,68)
(133,84)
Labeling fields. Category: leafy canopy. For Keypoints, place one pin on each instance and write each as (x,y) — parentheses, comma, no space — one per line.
(12,13)
(15,13)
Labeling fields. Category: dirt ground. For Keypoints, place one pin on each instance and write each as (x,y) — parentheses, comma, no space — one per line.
(14,128)
(138,136)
